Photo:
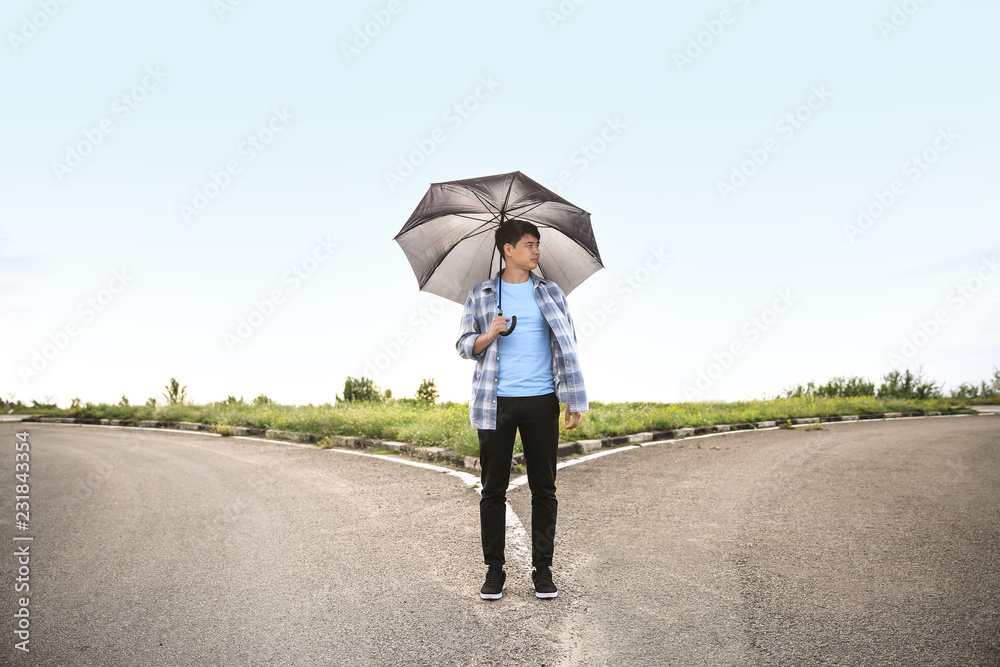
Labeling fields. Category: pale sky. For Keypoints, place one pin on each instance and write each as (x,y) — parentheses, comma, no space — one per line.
(781,191)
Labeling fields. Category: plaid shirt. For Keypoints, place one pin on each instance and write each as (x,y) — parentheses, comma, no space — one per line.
(480,308)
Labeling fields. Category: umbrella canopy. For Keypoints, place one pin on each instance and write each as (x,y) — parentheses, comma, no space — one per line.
(449,239)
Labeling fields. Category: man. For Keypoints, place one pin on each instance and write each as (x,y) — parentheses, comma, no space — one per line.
(519,382)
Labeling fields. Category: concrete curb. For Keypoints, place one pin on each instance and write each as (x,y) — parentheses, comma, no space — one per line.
(444,456)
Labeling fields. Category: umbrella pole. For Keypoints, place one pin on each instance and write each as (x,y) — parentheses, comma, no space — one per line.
(500,288)
(500,270)
(513,318)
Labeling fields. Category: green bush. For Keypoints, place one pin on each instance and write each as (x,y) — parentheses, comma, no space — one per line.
(231,401)
(908,385)
(175,394)
(48,404)
(984,391)
(838,386)
(427,391)
(895,384)
(361,390)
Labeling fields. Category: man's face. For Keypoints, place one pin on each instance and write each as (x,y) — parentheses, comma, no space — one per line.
(525,254)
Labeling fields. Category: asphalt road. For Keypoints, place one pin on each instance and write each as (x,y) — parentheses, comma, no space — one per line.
(871,543)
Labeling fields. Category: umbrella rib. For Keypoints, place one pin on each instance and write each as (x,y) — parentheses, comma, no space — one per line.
(482,200)
(472,217)
(506,200)
(533,205)
(482,229)
(486,204)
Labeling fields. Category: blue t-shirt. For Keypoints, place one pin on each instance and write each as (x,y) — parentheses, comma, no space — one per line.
(525,355)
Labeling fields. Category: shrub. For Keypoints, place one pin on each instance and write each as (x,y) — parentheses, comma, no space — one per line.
(427,391)
(231,402)
(968,390)
(908,385)
(361,390)
(11,405)
(852,386)
(834,388)
(175,394)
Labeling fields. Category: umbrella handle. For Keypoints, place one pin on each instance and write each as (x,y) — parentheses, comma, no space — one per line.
(513,323)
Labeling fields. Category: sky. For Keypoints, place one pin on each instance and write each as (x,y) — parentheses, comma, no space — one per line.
(782,192)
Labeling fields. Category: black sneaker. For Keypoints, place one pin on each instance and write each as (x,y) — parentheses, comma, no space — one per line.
(544,588)
(496,582)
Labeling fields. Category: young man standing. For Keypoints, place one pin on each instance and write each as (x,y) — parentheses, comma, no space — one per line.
(519,382)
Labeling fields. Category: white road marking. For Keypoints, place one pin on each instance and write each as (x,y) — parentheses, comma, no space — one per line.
(523,479)
(131,428)
(516,538)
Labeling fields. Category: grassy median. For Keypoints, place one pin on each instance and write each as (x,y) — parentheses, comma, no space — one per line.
(447,424)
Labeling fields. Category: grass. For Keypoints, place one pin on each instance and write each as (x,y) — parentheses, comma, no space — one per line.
(447,424)
(613,419)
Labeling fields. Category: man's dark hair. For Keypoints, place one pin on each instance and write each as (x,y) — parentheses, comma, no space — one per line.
(511,231)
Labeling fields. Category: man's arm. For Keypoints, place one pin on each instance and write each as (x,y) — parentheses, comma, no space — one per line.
(483,341)
(572,419)
(566,364)
(471,341)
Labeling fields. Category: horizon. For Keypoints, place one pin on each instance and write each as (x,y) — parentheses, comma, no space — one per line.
(917,376)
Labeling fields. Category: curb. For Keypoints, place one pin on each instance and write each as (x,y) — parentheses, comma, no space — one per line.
(447,457)
(430,454)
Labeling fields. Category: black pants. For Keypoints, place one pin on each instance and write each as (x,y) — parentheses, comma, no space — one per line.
(537,417)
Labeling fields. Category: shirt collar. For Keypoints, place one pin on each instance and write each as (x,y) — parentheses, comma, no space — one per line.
(491,285)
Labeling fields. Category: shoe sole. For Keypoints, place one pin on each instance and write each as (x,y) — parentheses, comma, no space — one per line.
(494,596)
(546,596)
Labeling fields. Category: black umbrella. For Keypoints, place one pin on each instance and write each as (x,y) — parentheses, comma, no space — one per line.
(449,239)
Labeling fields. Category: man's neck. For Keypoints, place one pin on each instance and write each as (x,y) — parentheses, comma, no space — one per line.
(513,275)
